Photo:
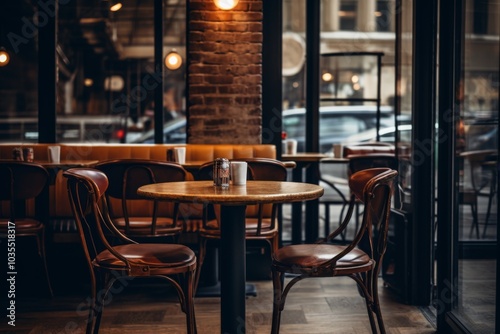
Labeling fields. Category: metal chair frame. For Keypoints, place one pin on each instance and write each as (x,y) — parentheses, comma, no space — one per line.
(108,262)
(23,181)
(125,177)
(360,260)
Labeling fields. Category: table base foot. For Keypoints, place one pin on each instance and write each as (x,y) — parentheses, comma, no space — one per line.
(214,290)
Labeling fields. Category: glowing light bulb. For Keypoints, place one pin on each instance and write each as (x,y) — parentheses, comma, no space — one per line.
(173,60)
(116,7)
(4,58)
(226,4)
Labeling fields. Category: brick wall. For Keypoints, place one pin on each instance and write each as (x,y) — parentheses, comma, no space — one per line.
(225,73)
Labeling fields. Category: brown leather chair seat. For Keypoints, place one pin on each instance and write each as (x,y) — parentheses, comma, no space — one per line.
(161,256)
(24,225)
(308,257)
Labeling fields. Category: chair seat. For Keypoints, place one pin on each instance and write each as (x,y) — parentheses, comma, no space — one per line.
(142,225)
(24,224)
(467,196)
(314,255)
(153,255)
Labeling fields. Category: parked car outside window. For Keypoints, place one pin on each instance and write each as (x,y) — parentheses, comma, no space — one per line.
(336,123)
(174,132)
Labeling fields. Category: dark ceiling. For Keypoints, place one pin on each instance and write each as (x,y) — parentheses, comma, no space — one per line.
(89,26)
(127,33)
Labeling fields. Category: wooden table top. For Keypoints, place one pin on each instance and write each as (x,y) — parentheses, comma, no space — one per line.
(333,160)
(68,163)
(254,192)
(62,163)
(304,157)
(198,164)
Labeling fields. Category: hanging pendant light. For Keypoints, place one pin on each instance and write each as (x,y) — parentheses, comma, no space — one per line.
(115,6)
(226,4)
(173,60)
(4,57)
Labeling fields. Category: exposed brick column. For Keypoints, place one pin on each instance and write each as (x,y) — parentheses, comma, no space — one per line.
(225,73)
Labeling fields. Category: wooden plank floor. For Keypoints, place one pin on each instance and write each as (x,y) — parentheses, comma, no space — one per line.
(314,306)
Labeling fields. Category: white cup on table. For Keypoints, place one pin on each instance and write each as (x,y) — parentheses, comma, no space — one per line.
(291,146)
(337,150)
(239,172)
(54,154)
(180,155)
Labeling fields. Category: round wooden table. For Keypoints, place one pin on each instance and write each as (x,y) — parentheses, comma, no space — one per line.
(233,202)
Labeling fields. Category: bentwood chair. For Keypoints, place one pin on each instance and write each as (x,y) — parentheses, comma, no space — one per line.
(384,154)
(127,208)
(482,175)
(261,220)
(107,264)
(21,183)
(360,260)
(376,160)
(358,162)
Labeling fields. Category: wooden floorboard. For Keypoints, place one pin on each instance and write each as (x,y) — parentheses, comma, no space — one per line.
(314,306)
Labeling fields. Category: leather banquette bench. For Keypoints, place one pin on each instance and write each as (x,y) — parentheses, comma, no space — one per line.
(60,210)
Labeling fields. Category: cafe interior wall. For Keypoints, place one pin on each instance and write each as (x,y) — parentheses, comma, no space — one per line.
(225,73)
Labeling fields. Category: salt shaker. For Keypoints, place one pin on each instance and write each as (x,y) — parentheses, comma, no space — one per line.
(221,172)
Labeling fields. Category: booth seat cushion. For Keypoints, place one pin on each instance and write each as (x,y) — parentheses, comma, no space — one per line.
(367,149)
(59,203)
(194,152)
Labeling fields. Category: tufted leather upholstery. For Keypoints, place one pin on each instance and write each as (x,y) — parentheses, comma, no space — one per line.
(194,152)
(59,204)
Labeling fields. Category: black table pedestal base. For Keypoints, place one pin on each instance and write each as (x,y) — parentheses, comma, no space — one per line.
(214,290)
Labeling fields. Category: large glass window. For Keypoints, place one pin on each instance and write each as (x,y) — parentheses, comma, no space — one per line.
(18,73)
(477,160)
(347,15)
(350,78)
(105,70)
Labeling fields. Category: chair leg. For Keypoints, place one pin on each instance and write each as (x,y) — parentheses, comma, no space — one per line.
(40,240)
(189,300)
(488,212)
(278,279)
(376,306)
(202,250)
(92,306)
(475,223)
(364,291)
(341,219)
(327,218)
(106,283)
